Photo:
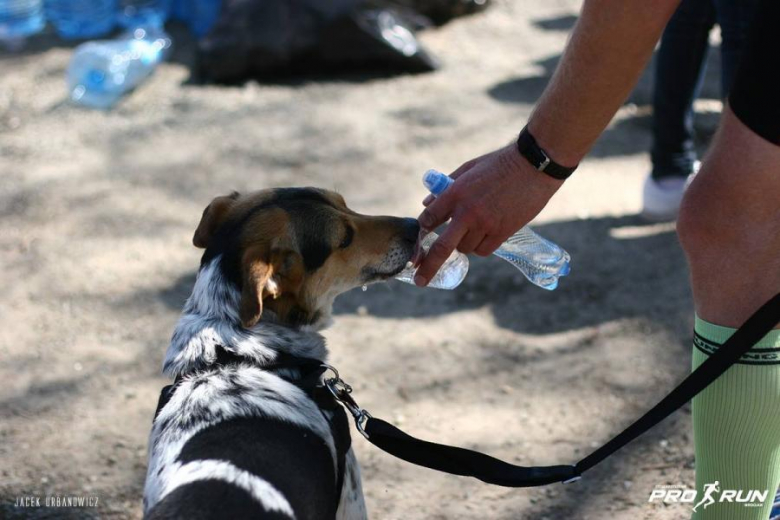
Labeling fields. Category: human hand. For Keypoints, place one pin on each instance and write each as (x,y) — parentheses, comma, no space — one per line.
(492,197)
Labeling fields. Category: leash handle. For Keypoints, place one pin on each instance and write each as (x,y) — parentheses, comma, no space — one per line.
(463,462)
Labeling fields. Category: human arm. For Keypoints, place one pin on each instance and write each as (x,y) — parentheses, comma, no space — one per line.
(498,193)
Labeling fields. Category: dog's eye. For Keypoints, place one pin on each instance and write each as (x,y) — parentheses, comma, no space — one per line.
(350,234)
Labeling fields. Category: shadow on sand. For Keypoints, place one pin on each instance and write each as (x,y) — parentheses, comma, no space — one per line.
(628,136)
(614,260)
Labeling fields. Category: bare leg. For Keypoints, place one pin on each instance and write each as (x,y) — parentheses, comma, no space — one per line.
(730,229)
(729,225)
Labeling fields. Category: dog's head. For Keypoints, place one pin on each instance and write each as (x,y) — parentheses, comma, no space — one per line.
(293,250)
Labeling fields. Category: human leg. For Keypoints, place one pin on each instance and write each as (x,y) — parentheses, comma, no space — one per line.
(678,71)
(729,226)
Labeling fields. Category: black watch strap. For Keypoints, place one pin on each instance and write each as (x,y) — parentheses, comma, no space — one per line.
(528,148)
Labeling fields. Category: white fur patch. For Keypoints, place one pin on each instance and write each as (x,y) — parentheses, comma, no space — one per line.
(210,319)
(261,490)
(205,399)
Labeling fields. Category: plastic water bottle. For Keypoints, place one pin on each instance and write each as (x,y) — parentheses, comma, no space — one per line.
(101,72)
(144,13)
(540,260)
(19,19)
(449,275)
(81,19)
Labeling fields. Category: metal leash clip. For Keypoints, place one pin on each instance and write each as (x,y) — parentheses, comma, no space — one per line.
(341,392)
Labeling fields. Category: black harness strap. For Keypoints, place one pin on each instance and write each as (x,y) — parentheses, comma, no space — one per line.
(459,461)
(310,371)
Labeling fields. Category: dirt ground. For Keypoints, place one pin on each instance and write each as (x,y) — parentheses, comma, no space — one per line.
(96,215)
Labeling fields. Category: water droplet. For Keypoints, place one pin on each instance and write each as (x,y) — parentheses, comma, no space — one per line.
(365,288)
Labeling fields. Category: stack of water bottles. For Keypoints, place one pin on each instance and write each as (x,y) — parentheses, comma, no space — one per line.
(100,72)
(19,19)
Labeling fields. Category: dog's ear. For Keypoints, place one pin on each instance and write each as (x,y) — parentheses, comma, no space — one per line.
(213,217)
(267,271)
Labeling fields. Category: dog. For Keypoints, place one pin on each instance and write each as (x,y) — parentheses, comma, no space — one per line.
(245,431)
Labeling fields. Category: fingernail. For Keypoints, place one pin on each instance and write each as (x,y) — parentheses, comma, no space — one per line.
(420,281)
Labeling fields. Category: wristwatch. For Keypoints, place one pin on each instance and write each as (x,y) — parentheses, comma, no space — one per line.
(528,148)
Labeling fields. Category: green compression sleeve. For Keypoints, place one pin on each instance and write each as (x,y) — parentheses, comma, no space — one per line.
(736,423)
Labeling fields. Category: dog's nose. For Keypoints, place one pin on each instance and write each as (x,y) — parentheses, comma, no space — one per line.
(410,229)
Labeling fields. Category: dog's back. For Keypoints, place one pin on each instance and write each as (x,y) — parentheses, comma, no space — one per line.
(253,468)
(259,452)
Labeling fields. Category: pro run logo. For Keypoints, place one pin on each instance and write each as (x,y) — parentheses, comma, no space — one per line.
(712,494)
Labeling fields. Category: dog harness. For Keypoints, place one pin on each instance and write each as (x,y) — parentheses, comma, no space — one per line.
(310,372)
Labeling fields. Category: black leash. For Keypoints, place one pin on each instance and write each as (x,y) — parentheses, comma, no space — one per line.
(460,461)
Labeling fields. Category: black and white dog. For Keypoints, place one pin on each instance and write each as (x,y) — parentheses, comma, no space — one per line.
(245,431)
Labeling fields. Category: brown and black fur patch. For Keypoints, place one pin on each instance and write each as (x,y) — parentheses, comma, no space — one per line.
(291,250)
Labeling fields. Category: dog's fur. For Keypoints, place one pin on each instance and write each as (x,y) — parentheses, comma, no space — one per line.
(245,438)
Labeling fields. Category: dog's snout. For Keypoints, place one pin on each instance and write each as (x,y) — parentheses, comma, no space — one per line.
(410,230)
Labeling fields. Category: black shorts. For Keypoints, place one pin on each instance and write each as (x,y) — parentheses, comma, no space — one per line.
(755,96)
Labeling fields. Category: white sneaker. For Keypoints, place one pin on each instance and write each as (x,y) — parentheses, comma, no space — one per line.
(661,198)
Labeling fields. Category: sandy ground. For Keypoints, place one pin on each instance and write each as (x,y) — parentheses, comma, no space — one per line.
(96,215)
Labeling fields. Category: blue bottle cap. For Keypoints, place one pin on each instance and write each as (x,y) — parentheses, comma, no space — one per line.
(436,182)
